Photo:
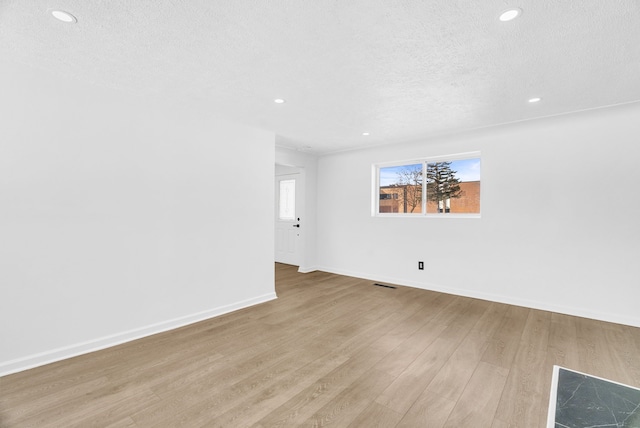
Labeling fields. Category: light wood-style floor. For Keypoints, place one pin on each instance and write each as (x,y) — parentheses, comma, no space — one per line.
(330,351)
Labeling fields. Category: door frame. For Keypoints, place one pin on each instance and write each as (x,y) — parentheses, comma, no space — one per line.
(282,170)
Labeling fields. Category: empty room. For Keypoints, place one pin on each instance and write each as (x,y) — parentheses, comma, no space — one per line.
(319,213)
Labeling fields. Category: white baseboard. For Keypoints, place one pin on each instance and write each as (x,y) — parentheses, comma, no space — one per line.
(307,269)
(40,359)
(509,300)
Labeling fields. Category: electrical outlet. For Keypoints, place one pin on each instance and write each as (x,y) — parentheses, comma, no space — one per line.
(420,265)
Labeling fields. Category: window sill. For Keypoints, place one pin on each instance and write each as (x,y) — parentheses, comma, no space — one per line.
(427,215)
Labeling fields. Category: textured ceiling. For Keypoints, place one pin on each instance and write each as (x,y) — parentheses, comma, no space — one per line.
(400,70)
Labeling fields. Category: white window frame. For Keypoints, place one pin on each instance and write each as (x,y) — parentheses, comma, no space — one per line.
(375,191)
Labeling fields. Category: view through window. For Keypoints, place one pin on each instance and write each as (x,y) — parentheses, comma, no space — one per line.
(287,199)
(444,185)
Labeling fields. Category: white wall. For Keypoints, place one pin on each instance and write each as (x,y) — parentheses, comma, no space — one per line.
(121,217)
(308,163)
(560,226)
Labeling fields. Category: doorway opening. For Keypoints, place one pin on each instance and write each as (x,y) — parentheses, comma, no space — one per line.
(289,215)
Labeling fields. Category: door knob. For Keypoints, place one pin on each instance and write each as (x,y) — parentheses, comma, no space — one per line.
(296,225)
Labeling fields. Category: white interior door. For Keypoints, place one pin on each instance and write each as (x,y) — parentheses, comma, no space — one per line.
(288,225)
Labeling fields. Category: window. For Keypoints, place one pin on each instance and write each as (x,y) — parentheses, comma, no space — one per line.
(388,196)
(287,199)
(401,189)
(447,185)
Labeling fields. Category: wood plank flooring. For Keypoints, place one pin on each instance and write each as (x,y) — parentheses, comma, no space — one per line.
(330,351)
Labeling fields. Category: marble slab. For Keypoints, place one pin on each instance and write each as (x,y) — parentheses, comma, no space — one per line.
(579,400)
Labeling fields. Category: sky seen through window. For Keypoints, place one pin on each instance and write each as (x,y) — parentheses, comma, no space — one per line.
(466,170)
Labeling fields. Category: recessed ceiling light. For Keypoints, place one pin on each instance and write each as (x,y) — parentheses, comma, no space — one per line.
(510,14)
(278,101)
(64,16)
(534,100)
(366,134)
